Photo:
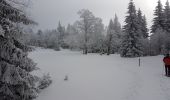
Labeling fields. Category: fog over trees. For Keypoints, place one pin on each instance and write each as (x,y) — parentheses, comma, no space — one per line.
(90,35)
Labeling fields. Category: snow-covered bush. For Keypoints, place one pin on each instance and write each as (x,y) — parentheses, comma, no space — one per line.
(45,81)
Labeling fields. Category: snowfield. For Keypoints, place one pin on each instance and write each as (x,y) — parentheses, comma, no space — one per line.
(96,77)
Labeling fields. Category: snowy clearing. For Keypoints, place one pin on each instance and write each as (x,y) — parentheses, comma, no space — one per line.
(96,77)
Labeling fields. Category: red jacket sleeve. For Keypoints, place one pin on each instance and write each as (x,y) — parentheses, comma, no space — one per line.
(166,61)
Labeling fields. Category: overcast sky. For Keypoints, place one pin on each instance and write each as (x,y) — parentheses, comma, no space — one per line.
(48,12)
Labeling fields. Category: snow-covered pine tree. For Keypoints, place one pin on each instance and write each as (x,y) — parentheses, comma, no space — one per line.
(61,31)
(158,21)
(143,30)
(131,46)
(166,13)
(16,82)
(161,29)
(140,21)
(109,37)
(117,26)
(117,35)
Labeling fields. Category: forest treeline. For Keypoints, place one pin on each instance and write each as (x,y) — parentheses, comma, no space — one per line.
(90,35)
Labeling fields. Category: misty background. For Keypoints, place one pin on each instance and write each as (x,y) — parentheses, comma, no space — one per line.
(49,12)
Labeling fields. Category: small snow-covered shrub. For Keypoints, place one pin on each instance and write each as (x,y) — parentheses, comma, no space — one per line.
(45,82)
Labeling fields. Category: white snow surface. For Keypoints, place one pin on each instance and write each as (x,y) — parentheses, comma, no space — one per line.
(96,77)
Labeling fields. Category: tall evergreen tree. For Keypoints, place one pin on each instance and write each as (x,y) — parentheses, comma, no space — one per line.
(144,28)
(158,21)
(143,31)
(61,31)
(166,12)
(117,26)
(118,34)
(167,27)
(16,82)
(131,46)
(140,21)
(110,32)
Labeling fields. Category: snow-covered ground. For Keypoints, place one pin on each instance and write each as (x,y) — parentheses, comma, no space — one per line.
(96,77)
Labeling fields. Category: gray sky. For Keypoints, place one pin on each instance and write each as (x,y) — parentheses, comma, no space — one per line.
(48,12)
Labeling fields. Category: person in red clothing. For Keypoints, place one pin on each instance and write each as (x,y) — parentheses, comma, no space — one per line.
(167,64)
